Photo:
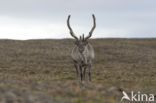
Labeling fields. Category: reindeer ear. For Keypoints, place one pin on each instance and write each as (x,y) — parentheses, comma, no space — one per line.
(76,42)
(86,42)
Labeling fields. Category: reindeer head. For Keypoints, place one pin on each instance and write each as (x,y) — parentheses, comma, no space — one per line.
(82,41)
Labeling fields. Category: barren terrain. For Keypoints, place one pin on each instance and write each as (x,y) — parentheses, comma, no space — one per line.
(41,71)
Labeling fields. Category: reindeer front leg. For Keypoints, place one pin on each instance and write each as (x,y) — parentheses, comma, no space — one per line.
(81,74)
(84,72)
(77,72)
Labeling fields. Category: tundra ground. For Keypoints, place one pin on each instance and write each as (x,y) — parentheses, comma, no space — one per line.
(42,71)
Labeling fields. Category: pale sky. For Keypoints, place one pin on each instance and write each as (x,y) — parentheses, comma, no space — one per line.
(36,19)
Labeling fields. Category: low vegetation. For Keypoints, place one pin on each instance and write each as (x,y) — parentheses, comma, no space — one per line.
(42,71)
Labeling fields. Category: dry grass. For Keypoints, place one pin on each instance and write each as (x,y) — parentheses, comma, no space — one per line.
(41,71)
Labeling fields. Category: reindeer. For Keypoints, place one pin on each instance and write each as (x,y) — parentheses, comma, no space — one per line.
(83,52)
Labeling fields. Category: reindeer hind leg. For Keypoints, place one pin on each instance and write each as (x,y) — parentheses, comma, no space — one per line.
(89,72)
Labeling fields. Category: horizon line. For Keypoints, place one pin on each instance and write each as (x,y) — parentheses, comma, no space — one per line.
(73,38)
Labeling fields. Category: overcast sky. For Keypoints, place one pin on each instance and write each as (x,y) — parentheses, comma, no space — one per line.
(34,19)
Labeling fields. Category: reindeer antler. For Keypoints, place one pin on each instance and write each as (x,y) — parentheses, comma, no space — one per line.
(94,25)
(71,31)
